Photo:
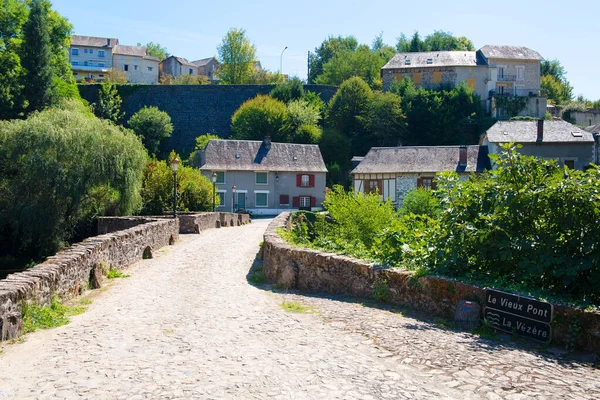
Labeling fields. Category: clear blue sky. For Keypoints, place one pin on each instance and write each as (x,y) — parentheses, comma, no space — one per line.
(193,29)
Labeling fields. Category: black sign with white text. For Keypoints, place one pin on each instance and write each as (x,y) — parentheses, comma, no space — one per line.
(521,306)
(511,323)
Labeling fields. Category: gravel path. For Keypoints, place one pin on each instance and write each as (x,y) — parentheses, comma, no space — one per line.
(187,324)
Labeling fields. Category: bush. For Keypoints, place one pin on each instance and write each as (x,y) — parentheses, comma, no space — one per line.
(152,126)
(307,134)
(194,191)
(259,117)
(109,103)
(59,169)
(421,202)
(288,91)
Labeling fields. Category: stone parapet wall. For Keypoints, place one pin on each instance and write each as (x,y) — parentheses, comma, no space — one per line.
(68,272)
(317,271)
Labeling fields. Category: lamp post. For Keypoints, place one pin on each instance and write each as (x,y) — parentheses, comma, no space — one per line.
(281,61)
(233,189)
(214,181)
(174,167)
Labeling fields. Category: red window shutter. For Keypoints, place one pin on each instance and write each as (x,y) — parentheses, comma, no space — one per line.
(298,180)
(313,201)
(284,199)
(296,201)
(311,180)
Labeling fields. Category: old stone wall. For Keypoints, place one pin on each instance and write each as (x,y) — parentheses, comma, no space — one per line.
(68,272)
(312,270)
(194,109)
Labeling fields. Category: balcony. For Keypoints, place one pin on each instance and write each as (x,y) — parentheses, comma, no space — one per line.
(519,92)
(88,68)
(507,78)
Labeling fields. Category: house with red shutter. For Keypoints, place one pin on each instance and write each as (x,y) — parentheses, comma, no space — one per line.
(268,177)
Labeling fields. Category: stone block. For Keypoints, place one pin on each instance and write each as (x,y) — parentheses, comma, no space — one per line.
(467,315)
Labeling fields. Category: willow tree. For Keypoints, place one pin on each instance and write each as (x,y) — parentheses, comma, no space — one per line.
(237,57)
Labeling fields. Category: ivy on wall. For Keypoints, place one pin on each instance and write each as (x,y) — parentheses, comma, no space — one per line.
(512,105)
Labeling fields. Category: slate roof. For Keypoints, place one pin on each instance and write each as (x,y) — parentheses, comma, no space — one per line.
(185,61)
(93,41)
(422,159)
(555,131)
(593,128)
(137,51)
(438,58)
(204,61)
(510,52)
(250,155)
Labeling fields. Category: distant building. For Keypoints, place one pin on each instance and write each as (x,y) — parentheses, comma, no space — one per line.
(92,58)
(176,66)
(269,177)
(493,72)
(394,171)
(207,67)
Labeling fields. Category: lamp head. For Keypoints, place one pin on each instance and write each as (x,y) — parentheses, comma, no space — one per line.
(214,177)
(175,164)
(233,188)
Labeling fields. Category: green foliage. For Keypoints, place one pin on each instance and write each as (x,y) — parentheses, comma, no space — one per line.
(288,91)
(61,168)
(259,117)
(383,122)
(381,291)
(421,202)
(194,191)
(36,58)
(109,103)
(361,62)
(347,105)
(156,50)
(115,274)
(300,112)
(296,307)
(512,105)
(46,317)
(189,79)
(307,134)
(315,101)
(554,81)
(152,126)
(328,49)
(237,57)
(202,140)
(437,41)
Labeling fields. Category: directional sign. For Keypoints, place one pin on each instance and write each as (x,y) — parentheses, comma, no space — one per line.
(511,323)
(522,306)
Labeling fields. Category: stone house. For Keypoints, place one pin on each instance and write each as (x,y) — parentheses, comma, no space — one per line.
(207,67)
(590,116)
(557,139)
(176,66)
(92,58)
(492,72)
(394,171)
(269,177)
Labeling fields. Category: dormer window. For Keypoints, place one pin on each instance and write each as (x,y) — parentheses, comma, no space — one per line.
(406,62)
(430,61)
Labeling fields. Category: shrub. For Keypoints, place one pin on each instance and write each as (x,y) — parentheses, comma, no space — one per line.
(259,117)
(152,126)
(109,103)
(420,202)
(60,168)
(287,91)
(307,134)
(302,113)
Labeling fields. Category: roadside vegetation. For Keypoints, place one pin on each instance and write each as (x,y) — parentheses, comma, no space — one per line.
(528,225)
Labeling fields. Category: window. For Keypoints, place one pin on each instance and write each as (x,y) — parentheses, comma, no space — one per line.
(430,61)
(374,186)
(101,53)
(101,64)
(101,76)
(91,51)
(75,74)
(262,178)
(398,77)
(220,177)
(284,199)
(261,199)
(304,201)
(190,71)
(135,67)
(570,164)
(85,51)
(520,72)
(471,83)
(500,72)
(86,64)
(417,78)
(406,62)
(125,67)
(74,63)
(150,69)
(75,52)
(221,194)
(305,181)
(437,77)
(426,182)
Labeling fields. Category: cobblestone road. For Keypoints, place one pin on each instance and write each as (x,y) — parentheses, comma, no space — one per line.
(187,325)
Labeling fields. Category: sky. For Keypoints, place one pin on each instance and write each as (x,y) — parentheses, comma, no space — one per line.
(565,31)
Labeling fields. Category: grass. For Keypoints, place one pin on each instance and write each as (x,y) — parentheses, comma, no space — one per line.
(295,307)
(51,316)
(115,273)
(486,331)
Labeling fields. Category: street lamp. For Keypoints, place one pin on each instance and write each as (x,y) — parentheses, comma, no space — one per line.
(281,61)
(214,181)
(233,189)
(174,167)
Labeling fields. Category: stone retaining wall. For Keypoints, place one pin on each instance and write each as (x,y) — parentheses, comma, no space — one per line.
(68,272)
(316,271)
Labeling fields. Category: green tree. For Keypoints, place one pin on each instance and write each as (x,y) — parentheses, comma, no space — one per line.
(444,41)
(109,103)
(202,140)
(300,112)
(62,168)
(416,44)
(554,81)
(237,57)
(259,117)
(554,68)
(156,50)
(292,89)
(383,121)
(39,87)
(328,49)
(362,62)
(152,126)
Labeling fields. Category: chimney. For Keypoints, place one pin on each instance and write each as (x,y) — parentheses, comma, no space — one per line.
(108,42)
(462,156)
(267,142)
(540,130)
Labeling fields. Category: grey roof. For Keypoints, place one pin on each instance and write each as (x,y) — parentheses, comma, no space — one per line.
(93,41)
(204,61)
(555,131)
(250,155)
(438,58)
(137,51)
(185,61)
(152,58)
(510,52)
(593,128)
(422,159)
